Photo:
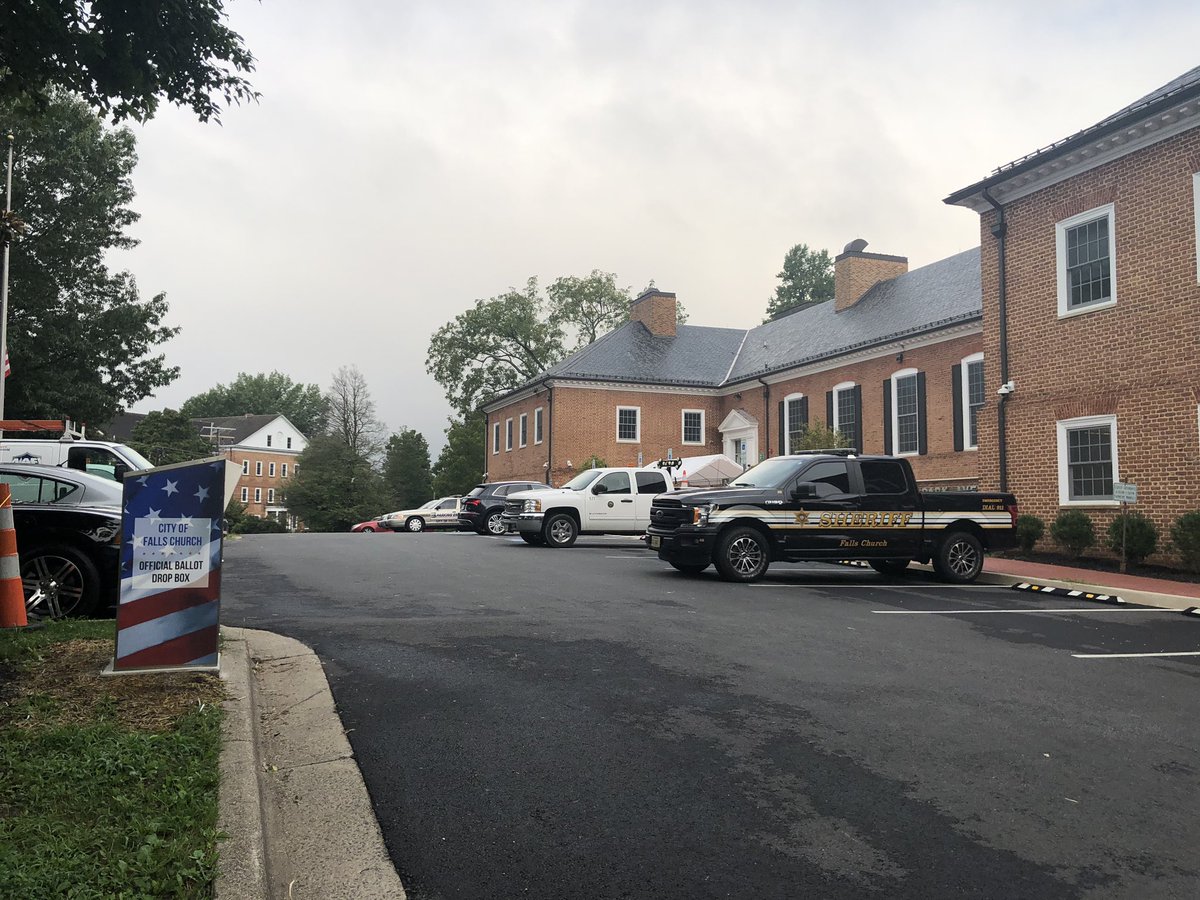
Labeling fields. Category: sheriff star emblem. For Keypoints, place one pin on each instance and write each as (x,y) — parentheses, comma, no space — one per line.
(801,517)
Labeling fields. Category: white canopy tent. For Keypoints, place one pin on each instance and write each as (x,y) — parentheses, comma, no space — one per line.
(708,471)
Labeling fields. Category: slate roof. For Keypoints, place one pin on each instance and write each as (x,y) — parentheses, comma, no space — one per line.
(120,429)
(241,427)
(1182,87)
(935,296)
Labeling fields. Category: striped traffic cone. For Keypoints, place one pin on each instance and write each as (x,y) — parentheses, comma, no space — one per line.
(12,595)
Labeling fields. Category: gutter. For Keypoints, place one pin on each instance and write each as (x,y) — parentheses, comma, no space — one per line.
(767,408)
(1000,232)
(549,434)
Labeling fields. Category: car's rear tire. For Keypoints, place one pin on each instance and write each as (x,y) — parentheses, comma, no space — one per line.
(59,581)
(888,566)
(415,524)
(494,524)
(689,569)
(958,558)
(742,554)
(560,530)
(533,538)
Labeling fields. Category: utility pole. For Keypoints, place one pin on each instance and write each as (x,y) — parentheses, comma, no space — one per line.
(4,279)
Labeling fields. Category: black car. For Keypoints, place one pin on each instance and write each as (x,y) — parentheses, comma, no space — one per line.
(68,536)
(483,506)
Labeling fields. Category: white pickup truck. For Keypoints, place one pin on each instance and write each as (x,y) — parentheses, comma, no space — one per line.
(597,501)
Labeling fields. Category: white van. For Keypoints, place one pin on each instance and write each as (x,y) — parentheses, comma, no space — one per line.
(97,457)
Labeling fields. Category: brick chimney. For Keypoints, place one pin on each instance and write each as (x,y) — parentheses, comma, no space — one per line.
(656,310)
(855,272)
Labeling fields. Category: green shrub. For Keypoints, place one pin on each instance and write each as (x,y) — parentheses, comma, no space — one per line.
(251,524)
(1029,531)
(1185,535)
(1073,531)
(1141,536)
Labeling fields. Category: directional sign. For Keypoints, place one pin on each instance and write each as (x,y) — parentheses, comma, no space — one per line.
(1124,493)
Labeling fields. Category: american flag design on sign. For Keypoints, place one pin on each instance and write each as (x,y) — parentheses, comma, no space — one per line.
(171,567)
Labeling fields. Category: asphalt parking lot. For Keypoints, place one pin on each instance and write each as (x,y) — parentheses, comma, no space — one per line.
(589,723)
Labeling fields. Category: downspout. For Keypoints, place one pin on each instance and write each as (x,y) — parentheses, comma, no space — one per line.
(1000,232)
(549,434)
(767,407)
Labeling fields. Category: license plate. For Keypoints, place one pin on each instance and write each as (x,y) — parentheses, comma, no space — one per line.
(655,542)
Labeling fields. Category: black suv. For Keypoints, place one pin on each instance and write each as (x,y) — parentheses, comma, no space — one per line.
(481,508)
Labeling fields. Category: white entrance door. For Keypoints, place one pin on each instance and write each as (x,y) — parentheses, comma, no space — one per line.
(742,448)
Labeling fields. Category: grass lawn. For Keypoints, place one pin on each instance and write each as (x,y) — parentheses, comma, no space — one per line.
(108,786)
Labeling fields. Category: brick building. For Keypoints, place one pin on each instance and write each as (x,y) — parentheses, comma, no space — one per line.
(893,362)
(266,447)
(1091,309)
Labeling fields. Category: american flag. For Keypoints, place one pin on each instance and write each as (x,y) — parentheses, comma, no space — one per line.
(7,365)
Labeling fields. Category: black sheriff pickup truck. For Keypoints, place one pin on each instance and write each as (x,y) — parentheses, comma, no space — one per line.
(830,505)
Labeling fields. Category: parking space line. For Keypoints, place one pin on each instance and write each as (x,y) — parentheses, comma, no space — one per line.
(979,612)
(1133,655)
(874,585)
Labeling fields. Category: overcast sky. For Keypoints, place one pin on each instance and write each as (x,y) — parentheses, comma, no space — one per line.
(408,158)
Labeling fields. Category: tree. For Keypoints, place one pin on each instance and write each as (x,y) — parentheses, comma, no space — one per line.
(351,413)
(333,487)
(806,278)
(122,57)
(494,346)
(80,337)
(590,306)
(406,474)
(459,466)
(260,395)
(817,437)
(169,437)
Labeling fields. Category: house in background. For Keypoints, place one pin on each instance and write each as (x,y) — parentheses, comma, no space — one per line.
(893,362)
(1091,314)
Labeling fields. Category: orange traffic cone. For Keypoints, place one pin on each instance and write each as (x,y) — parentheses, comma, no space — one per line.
(12,595)
(683,482)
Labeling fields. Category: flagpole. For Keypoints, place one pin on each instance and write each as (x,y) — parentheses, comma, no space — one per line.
(4,281)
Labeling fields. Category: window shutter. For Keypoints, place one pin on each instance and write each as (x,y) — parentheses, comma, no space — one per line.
(956,376)
(829,409)
(887,416)
(922,444)
(783,448)
(856,440)
(803,413)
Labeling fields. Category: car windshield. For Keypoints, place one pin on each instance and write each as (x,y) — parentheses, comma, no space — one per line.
(139,461)
(582,480)
(774,473)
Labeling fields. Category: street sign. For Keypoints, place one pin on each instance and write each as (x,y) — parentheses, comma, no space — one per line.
(1124,493)
(670,453)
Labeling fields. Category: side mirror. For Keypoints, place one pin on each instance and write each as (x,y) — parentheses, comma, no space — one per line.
(600,489)
(805,490)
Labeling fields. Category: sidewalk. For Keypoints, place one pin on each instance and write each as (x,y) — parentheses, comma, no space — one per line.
(292,800)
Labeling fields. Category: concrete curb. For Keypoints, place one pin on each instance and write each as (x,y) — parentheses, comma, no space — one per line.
(319,834)
(1139,598)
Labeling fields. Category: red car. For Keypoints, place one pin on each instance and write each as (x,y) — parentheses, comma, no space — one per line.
(371,525)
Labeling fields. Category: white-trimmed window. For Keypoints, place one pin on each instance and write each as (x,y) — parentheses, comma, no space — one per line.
(245,467)
(629,424)
(1087,461)
(245,494)
(795,418)
(1196,207)
(270,495)
(258,495)
(495,438)
(268,440)
(258,467)
(508,434)
(271,470)
(524,429)
(693,426)
(283,471)
(537,425)
(289,443)
(1087,262)
(972,399)
(845,413)
(906,413)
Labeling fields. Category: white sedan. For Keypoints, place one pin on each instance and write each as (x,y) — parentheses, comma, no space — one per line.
(439,513)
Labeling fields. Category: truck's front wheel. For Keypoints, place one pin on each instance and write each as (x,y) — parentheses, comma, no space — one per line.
(959,558)
(560,530)
(742,555)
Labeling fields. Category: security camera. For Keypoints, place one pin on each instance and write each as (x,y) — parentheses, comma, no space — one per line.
(1007,388)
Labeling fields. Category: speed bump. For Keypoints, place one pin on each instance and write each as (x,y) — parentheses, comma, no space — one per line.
(1068,592)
